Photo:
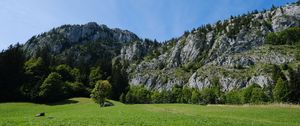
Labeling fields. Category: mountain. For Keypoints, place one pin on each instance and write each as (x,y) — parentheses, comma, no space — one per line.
(76,45)
(232,52)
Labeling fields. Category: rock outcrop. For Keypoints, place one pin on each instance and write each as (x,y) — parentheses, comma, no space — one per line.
(198,57)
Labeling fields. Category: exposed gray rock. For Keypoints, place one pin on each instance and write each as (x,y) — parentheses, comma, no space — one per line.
(262,81)
(217,49)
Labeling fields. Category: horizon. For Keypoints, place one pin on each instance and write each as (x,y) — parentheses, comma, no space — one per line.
(160,20)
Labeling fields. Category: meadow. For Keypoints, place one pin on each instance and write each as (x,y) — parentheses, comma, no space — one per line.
(84,112)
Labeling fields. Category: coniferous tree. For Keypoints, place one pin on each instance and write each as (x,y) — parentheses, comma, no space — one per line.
(280,91)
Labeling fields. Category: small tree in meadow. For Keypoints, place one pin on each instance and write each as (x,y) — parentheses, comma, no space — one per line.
(101,91)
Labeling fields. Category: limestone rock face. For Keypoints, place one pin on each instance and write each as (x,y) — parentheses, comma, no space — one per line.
(232,51)
(59,39)
(205,53)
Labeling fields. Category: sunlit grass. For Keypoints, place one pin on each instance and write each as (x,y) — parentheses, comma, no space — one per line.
(83,112)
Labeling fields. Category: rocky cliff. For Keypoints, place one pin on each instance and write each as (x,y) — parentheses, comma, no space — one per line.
(232,51)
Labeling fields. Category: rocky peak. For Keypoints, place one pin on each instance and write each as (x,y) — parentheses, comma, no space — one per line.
(61,38)
(227,50)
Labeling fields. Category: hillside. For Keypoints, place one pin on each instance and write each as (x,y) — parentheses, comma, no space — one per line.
(215,50)
(249,58)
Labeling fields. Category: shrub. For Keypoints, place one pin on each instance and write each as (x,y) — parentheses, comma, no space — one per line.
(176,94)
(280,91)
(254,94)
(258,96)
(209,96)
(233,97)
(156,97)
(289,36)
(186,95)
(196,97)
(101,91)
(138,94)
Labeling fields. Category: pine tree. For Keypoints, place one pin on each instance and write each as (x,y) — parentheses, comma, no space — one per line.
(280,91)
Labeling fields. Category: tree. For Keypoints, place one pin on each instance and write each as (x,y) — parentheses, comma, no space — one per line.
(138,94)
(101,91)
(254,94)
(186,95)
(196,97)
(122,98)
(209,96)
(294,85)
(177,94)
(119,78)
(280,92)
(258,96)
(233,97)
(156,97)
(95,75)
(77,89)
(52,88)
(11,73)
(65,71)
(272,39)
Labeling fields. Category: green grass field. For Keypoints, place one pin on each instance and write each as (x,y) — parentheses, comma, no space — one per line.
(83,112)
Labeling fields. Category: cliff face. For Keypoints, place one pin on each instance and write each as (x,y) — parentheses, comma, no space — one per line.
(59,39)
(218,50)
(80,44)
(232,51)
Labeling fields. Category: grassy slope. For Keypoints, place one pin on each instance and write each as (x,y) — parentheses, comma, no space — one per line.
(85,112)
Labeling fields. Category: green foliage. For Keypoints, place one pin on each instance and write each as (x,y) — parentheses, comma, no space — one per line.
(156,97)
(290,36)
(258,96)
(186,95)
(280,91)
(209,96)
(177,94)
(101,91)
(138,95)
(233,97)
(53,88)
(65,71)
(35,66)
(11,73)
(123,98)
(95,75)
(119,78)
(36,71)
(77,89)
(162,97)
(294,86)
(277,73)
(196,97)
(254,94)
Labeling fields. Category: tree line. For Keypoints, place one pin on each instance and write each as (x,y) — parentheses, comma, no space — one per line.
(43,79)
(282,90)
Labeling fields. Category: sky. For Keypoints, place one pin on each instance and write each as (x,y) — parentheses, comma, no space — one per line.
(154,19)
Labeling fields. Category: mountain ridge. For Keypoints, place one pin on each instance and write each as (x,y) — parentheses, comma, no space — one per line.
(189,60)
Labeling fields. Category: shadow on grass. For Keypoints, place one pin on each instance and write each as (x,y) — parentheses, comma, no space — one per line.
(64,102)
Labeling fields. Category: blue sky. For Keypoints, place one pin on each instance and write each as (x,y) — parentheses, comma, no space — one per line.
(154,19)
